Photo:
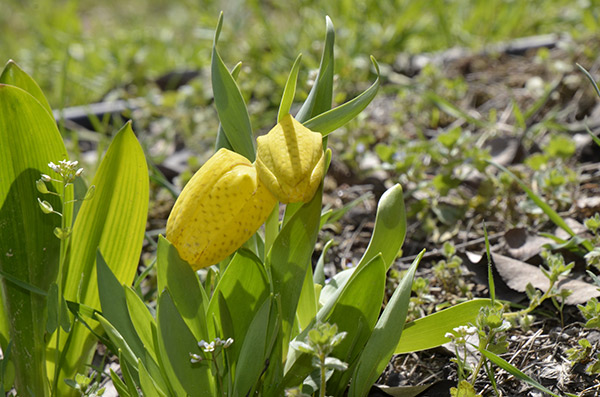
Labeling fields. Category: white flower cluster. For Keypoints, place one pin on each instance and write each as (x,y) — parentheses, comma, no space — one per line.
(65,168)
(210,347)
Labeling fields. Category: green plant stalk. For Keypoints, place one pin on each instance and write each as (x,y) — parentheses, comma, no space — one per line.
(531,306)
(323,377)
(481,361)
(65,224)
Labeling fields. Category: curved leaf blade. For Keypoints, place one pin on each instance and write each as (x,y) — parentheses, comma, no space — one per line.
(335,118)
(230,104)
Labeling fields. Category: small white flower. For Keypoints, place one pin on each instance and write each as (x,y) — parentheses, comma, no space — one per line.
(46,178)
(79,172)
(228,343)
(54,167)
(195,358)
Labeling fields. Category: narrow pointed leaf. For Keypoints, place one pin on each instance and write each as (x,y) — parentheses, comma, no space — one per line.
(335,118)
(384,339)
(321,94)
(230,104)
(429,331)
(290,90)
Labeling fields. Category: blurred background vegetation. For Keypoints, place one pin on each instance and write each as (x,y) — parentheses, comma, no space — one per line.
(80,50)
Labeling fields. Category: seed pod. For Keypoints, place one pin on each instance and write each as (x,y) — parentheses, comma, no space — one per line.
(218,210)
(290,161)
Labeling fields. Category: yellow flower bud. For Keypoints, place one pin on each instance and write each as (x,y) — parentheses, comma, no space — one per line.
(218,210)
(290,161)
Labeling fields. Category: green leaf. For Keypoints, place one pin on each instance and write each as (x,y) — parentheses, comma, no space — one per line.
(390,227)
(113,221)
(29,140)
(114,306)
(384,339)
(307,303)
(356,313)
(290,255)
(319,273)
(142,321)
(125,352)
(251,360)
(14,75)
(147,383)
(590,78)
(289,91)
(53,309)
(514,371)
(230,104)
(333,119)
(321,94)
(298,365)
(120,386)
(188,295)
(176,343)
(222,141)
(242,289)
(429,331)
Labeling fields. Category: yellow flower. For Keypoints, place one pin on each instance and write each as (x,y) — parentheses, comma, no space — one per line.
(218,210)
(290,161)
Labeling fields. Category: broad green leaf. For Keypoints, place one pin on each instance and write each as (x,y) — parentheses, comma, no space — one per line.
(553,215)
(429,331)
(251,360)
(321,94)
(176,343)
(356,312)
(290,90)
(113,221)
(384,339)
(14,75)
(145,326)
(307,303)
(114,306)
(514,371)
(29,140)
(142,320)
(390,227)
(147,383)
(298,364)
(188,295)
(290,255)
(335,118)
(230,104)
(242,289)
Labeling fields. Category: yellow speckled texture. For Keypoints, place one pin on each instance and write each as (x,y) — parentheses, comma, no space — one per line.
(218,210)
(290,161)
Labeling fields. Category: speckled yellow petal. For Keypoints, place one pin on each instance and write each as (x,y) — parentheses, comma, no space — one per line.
(290,161)
(218,210)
